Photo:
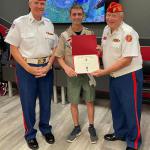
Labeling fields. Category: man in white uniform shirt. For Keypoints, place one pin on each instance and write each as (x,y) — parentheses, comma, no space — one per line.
(32,39)
(123,62)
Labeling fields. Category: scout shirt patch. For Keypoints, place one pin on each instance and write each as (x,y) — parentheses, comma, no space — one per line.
(128,38)
(69,42)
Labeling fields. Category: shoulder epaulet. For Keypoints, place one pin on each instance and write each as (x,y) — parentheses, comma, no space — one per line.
(19,19)
(129,32)
(46,19)
(126,28)
(106,29)
(65,35)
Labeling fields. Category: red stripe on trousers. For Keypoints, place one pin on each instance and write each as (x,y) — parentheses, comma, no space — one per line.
(135,107)
(25,125)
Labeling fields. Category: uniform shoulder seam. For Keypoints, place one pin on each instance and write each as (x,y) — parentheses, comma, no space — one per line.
(127,29)
(19,19)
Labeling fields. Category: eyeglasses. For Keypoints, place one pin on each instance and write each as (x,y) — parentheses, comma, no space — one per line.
(77,14)
(41,3)
(113,15)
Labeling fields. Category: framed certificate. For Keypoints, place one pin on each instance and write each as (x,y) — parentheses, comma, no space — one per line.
(85,55)
(86,63)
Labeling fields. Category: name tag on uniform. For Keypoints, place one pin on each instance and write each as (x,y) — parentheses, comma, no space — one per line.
(49,35)
(116,40)
(116,43)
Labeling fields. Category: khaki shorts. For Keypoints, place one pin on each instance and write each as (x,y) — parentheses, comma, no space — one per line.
(74,86)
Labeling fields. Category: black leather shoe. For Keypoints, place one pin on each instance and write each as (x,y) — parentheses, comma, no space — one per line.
(49,138)
(129,148)
(32,144)
(112,137)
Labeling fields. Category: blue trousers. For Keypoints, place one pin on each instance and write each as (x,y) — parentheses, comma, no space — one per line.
(126,101)
(29,89)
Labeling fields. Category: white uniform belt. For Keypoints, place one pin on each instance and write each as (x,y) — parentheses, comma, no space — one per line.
(42,60)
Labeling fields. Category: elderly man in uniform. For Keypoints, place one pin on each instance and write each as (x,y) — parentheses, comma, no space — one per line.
(76,82)
(32,40)
(122,61)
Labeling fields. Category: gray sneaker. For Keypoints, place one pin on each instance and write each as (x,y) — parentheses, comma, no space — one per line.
(93,136)
(74,134)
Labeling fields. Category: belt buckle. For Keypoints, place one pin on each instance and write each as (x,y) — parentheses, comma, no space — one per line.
(112,75)
(41,60)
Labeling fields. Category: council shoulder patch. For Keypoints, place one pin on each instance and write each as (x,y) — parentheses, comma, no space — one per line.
(128,38)
(104,38)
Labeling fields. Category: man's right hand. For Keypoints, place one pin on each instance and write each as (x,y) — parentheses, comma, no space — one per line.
(70,72)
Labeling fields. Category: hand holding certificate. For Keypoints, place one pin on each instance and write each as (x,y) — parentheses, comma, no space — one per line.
(85,55)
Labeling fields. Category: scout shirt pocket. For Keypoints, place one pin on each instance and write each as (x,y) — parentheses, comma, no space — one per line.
(28,40)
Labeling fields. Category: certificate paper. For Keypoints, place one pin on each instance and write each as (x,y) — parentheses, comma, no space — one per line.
(86,63)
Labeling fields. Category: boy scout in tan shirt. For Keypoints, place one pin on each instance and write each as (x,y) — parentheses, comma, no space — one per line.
(76,82)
